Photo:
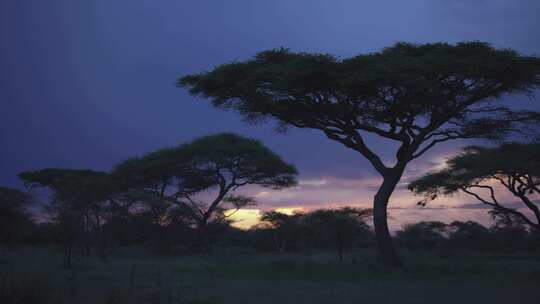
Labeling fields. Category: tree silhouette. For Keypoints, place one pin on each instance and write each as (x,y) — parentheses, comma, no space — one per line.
(339,226)
(469,235)
(413,95)
(285,228)
(514,167)
(422,234)
(81,199)
(222,162)
(14,216)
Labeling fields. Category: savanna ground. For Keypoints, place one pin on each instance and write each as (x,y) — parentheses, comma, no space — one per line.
(233,276)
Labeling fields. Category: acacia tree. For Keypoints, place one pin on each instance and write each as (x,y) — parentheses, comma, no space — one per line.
(339,225)
(285,228)
(14,215)
(80,201)
(514,167)
(222,162)
(469,235)
(414,95)
(422,234)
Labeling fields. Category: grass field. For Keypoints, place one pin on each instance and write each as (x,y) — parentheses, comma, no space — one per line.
(133,276)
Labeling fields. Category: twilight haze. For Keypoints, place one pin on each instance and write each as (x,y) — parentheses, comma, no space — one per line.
(86,84)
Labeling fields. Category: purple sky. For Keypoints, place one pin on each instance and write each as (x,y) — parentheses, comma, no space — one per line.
(85,84)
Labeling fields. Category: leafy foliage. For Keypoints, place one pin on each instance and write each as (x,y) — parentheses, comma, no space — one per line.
(422,234)
(78,186)
(340,228)
(407,93)
(513,166)
(221,162)
(82,200)
(77,193)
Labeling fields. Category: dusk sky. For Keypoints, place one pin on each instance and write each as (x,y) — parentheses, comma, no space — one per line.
(86,84)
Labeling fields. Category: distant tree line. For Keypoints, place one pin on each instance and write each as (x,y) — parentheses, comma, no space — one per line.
(340,230)
(335,229)
(91,227)
(469,235)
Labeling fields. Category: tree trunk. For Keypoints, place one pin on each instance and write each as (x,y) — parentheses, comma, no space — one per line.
(280,245)
(385,246)
(203,242)
(68,250)
(340,248)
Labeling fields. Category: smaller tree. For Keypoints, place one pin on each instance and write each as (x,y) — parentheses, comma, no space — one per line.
(286,229)
(14,216)
(423,235)
(339,226)
(512,234)
(469,235)
(514,167)
(81,199)
(198,177)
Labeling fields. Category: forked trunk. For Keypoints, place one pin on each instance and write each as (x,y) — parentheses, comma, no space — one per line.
(385,246)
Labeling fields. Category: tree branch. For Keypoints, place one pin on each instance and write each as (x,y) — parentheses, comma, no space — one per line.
(355,141)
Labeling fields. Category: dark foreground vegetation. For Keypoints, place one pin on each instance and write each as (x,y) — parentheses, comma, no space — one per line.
(237,275)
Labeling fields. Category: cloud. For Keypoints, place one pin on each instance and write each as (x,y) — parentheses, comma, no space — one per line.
(313,182)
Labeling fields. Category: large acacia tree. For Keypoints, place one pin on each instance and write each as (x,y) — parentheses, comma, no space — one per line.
(214,165)
(414,95)
(483,172)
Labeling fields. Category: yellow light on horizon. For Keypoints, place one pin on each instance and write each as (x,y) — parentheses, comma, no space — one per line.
(290,210)
(246,218)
